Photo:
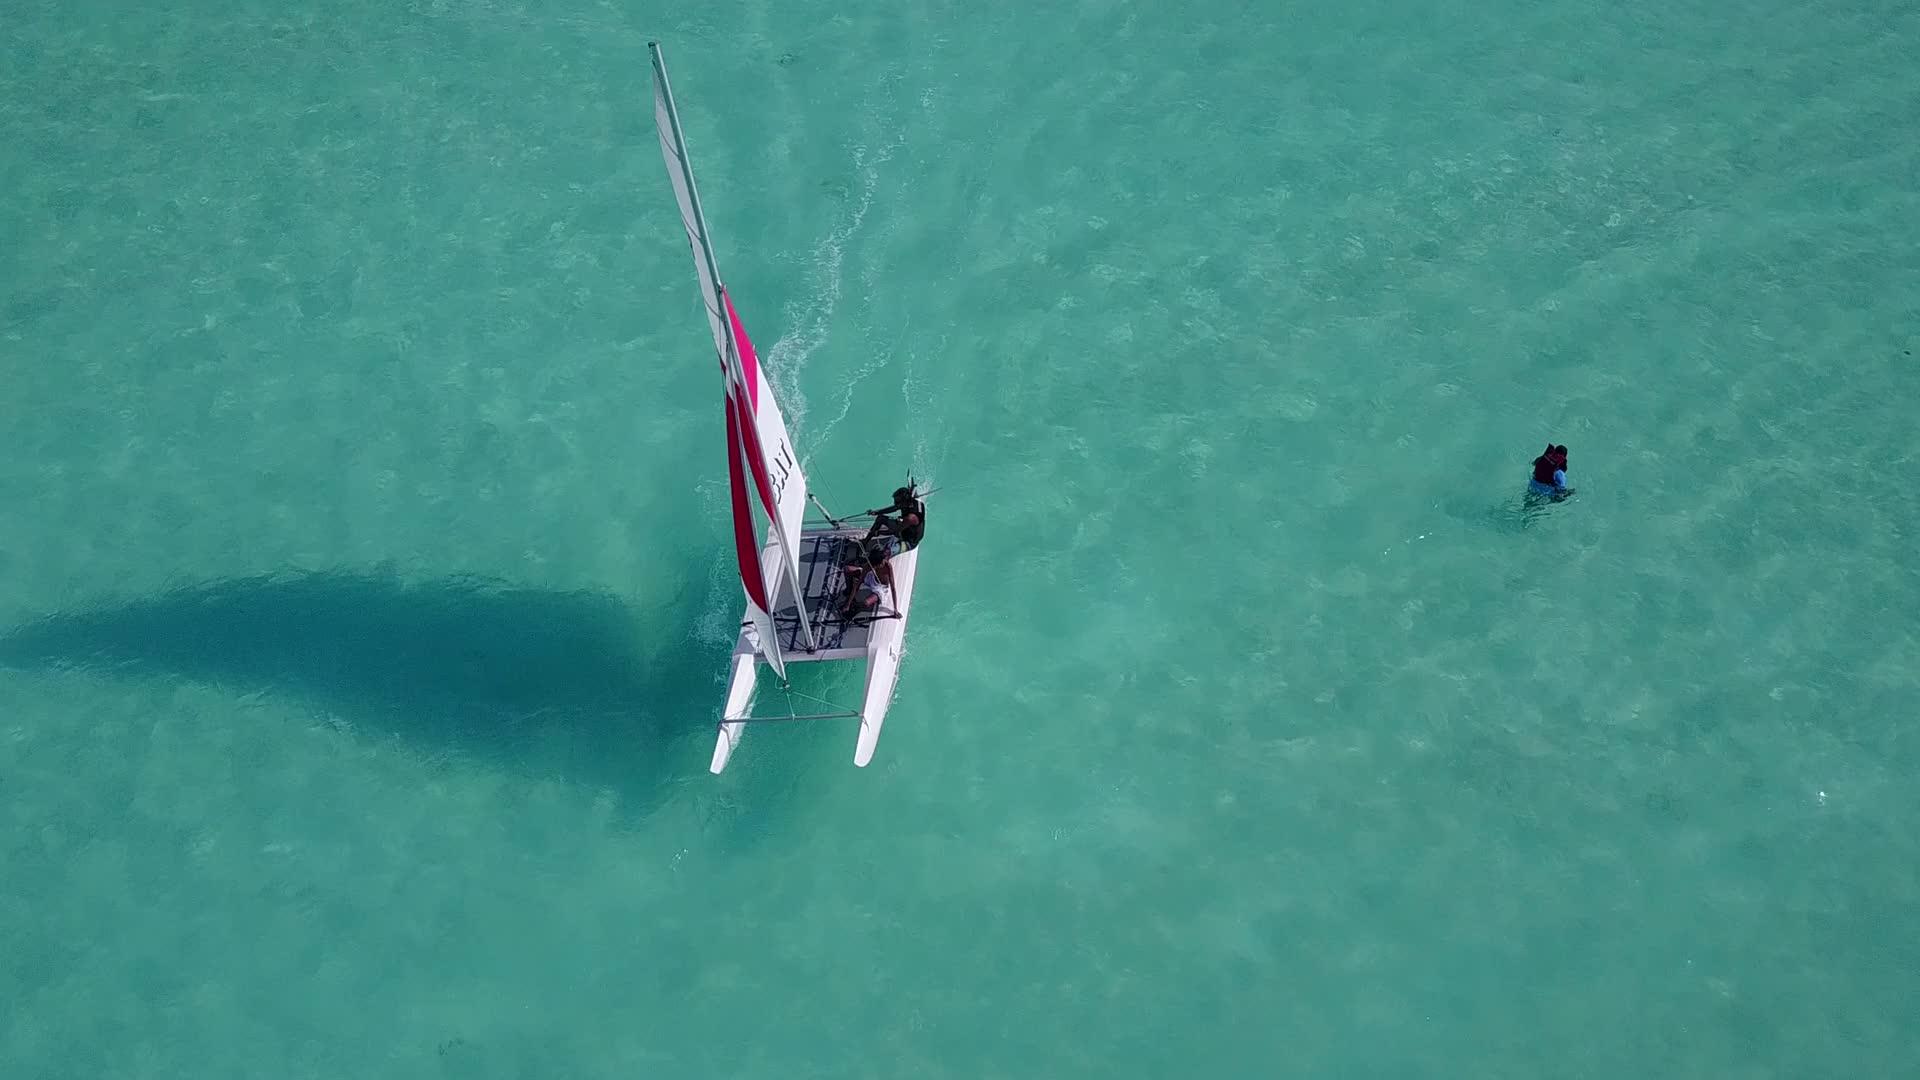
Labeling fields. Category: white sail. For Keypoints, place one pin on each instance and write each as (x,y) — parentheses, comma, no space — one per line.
(757,576)
(757,432)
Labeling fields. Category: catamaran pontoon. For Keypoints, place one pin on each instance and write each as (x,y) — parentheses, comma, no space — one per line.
(793,579)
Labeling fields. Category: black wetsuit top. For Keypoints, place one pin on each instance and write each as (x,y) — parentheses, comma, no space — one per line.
(910,535)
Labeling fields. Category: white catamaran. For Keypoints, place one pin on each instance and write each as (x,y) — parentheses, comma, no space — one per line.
(795,578)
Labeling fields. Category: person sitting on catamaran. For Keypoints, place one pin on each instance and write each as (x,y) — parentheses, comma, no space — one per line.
(890,536)
(908,528)
(863,587)
(893,537)
(872,567)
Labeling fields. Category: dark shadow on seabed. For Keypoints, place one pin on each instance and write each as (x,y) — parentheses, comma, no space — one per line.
(536,681)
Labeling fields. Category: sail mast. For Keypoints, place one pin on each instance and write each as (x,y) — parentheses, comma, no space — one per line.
(697,228)
(743,378)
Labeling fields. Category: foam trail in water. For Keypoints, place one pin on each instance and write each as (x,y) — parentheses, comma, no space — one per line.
(871,368)
(812,317)
(921,427)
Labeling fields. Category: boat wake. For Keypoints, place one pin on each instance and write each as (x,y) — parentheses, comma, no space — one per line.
(812,318)
(874,364)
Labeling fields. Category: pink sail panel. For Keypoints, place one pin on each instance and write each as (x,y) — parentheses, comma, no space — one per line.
(777,476)
(744,544)
(749,360)
(750,368)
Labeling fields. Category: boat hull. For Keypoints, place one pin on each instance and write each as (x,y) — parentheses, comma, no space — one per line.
(885,646)
(878,642)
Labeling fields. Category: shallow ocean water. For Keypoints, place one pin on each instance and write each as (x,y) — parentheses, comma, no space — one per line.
(364,596)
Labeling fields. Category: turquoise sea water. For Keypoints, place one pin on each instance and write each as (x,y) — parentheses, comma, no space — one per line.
(364,590)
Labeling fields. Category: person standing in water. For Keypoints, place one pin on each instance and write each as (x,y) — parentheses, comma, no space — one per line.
(1550,474)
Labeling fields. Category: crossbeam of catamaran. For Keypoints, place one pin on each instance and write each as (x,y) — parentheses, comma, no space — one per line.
(814,591)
